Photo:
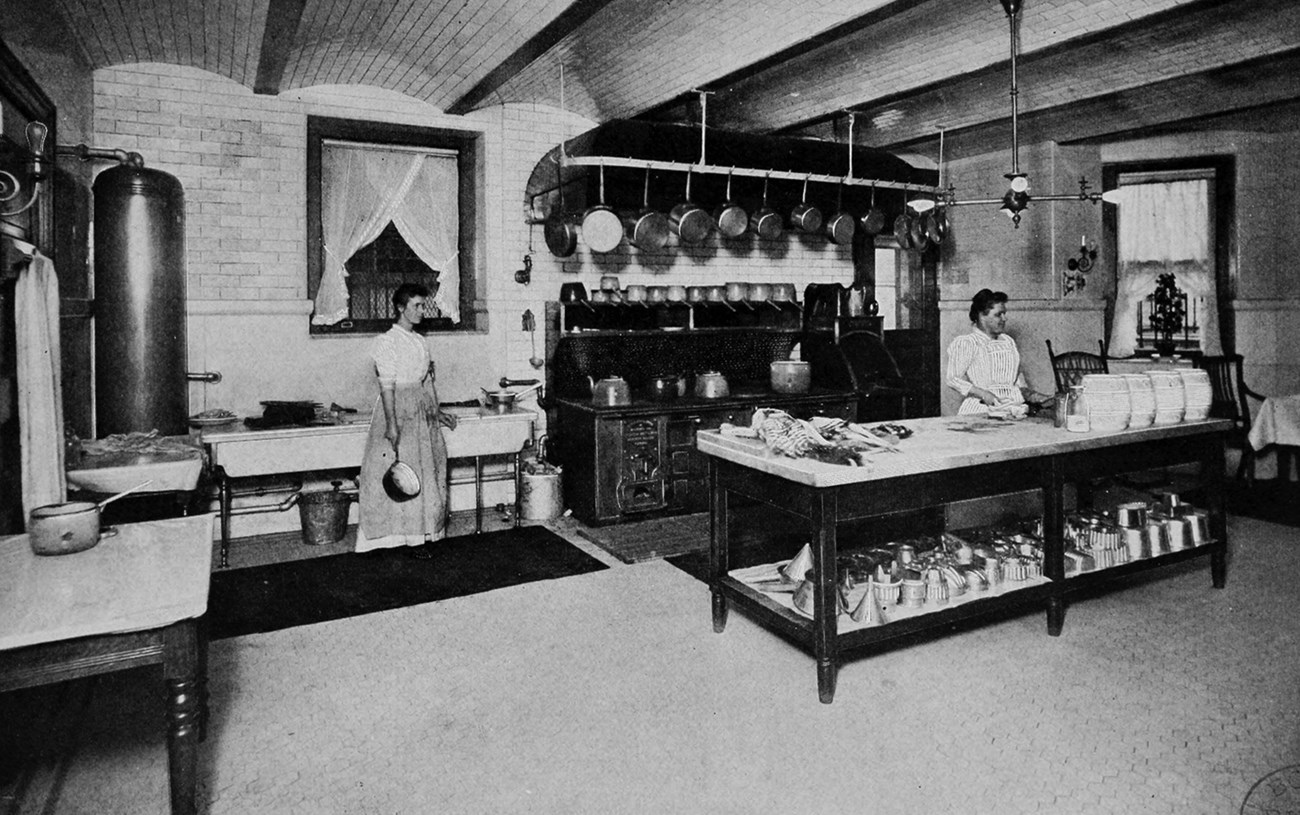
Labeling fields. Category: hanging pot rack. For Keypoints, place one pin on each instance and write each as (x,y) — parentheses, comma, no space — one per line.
(702,166)
(790,175)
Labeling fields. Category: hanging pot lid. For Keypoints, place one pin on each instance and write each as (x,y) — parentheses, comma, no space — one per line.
(602,229)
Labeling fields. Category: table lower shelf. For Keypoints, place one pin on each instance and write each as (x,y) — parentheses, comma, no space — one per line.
(776,610)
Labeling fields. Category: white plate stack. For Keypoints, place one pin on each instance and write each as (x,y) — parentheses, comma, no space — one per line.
(1107,398)
(1142,398)
(1169,396)
(1197,394)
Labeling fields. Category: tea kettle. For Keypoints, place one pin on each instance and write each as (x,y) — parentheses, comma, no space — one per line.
(611,391)
(711,385)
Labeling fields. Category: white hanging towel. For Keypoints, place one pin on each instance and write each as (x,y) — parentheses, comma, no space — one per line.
(40,394)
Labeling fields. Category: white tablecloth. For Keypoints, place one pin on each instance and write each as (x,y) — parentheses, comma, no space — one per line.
(1278,422)
(148,575)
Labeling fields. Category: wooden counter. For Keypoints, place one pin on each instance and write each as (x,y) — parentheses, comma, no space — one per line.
(947,459)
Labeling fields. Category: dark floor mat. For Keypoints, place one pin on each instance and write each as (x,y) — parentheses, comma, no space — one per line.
(282,595)
(1271,500)
(647,540)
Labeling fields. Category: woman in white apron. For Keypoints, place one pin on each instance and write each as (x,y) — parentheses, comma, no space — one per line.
(407,424)
(984,365)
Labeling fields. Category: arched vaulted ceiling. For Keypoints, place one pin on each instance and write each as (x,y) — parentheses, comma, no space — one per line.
(907,69)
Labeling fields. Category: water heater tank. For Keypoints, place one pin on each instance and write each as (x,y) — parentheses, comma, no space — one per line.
(140,344)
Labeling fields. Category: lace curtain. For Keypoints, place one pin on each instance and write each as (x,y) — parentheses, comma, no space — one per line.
(364,190)
(1164,227)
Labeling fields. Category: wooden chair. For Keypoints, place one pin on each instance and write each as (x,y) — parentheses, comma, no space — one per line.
(1069,367)
(1229,402)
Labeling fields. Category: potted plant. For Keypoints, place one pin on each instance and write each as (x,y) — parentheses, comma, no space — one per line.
(1168,310)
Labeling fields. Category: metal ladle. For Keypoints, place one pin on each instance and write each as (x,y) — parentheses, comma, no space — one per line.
(530,325)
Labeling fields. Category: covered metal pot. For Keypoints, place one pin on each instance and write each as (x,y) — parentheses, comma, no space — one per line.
(711,385)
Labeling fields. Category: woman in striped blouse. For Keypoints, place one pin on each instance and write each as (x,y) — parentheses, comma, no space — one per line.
(984,365)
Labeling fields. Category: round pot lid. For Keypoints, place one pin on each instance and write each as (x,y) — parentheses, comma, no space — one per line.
(602,229)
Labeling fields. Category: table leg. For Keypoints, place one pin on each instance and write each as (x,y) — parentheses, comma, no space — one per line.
(718,542)
(1055,615)
(478,495)
(185,689)
(519,486)
(1213,466)
(1053,489)
(225,499)
(825,594)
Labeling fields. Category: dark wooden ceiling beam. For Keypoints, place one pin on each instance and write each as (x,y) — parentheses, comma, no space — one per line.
(282,20)
(679,108)
(1245,91)
(927,107)
(562,26)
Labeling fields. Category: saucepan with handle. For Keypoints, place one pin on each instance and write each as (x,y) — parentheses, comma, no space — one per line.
(70,526)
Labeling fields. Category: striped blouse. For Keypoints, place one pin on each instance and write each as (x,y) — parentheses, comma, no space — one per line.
(976,359)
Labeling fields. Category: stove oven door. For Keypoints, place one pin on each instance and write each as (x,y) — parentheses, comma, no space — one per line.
(641,481)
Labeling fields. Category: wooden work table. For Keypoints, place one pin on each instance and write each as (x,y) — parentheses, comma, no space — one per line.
(947,459)
(136,598)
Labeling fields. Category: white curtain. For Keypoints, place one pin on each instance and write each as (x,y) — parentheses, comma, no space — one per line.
(40,393)
(1164,227)
(365,190)
(428,218)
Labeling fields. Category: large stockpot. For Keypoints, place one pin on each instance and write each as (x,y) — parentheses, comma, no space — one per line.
(690,222)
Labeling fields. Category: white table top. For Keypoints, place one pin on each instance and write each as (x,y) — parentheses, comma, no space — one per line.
(149,575)
(938,444)
(1278,422)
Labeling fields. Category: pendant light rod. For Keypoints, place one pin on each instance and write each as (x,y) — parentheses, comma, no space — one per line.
(1012,8)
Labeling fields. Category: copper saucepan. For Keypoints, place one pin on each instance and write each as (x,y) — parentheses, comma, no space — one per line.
(805,216)
(731,216)
(766,222)
(690,222)
(648,229)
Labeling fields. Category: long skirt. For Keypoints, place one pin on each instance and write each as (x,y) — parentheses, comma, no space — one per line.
(386,522)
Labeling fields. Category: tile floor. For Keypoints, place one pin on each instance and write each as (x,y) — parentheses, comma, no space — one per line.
(609,692)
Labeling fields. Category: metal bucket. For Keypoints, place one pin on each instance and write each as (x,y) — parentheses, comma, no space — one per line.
(324,516)
(541,498)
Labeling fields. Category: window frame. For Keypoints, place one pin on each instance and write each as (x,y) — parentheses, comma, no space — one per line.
(1222,168)
(470,150)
